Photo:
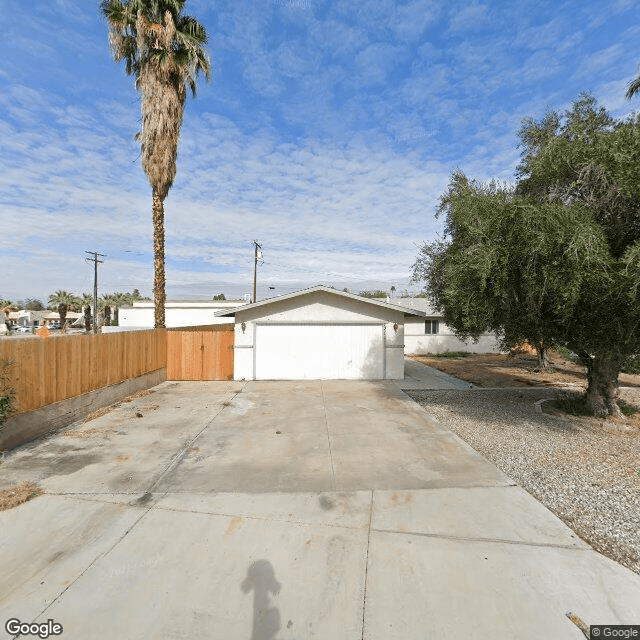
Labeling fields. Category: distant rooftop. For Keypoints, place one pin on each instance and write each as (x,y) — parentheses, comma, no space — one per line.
(420,304)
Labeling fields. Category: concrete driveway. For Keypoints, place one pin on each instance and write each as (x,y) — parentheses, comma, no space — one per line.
(289,510)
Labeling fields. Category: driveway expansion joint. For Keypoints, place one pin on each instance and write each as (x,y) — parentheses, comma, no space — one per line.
(524,543)
(326,424)
(366,566)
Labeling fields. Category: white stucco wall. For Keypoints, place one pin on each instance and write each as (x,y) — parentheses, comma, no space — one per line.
(320,308)
(181,314)
(418,343)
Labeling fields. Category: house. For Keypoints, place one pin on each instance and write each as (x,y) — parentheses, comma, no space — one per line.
(431,335)
(319,333)
(27,318)
(54,316)
(178,313)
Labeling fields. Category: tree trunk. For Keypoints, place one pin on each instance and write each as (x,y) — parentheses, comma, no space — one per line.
(543,356)
(62,312)
(158,259)
(603,390)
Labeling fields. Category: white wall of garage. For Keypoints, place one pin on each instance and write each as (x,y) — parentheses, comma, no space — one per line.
(314,331)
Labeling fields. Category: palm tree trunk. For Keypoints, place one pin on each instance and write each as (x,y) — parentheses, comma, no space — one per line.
(158,259)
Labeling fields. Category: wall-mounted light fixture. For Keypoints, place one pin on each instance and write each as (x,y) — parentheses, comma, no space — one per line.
(395,327)
(244,326)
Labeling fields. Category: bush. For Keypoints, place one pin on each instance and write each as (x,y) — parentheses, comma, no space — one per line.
(572,403)
(7,392)
(450,354)
(566,354)
(631,365)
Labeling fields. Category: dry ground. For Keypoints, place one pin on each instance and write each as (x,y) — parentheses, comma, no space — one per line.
(584,469)
(16,495)
(521,370)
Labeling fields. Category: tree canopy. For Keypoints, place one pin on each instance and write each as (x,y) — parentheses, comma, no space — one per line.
(555,258)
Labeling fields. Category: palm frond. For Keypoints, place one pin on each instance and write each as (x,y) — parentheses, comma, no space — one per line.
(634,87)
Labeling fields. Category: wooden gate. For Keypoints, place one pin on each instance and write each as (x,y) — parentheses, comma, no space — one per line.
(200,353)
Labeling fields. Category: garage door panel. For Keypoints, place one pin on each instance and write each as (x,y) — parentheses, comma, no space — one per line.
(317,352)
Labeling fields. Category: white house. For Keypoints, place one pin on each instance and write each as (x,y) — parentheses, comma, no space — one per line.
(178,313)
(431,335)
(27,318)
(319,333)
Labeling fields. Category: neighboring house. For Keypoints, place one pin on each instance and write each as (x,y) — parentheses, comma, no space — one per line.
(178,313)
(318,334)
(54,316)
(432,335)
(26,318)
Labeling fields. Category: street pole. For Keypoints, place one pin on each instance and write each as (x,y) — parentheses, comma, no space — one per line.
(255,268)
(95,261)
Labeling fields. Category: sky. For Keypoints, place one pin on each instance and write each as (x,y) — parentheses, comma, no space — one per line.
(328,133)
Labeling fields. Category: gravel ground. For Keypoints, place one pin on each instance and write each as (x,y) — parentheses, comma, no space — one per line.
(584,470)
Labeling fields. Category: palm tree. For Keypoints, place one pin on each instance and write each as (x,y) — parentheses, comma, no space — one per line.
(634,87)
(86,299)
(164,50)
(64,297)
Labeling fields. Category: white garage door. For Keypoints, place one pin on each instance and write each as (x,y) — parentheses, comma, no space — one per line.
(319,352)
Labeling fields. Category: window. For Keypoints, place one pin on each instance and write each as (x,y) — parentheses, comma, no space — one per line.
(431,326)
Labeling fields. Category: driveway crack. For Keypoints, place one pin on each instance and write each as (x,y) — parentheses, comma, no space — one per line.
(93,562)
(178,457)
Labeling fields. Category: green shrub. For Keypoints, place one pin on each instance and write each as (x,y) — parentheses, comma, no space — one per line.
(7,392)
(566,354)
(631,365)
(450,354)
(572,403)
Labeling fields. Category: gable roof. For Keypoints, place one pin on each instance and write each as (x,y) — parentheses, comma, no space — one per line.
(320,287)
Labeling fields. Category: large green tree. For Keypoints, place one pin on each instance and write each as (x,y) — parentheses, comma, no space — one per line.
(556,259)
(164,50)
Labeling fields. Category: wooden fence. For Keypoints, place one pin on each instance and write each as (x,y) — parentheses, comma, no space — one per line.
(200,353)
(48,370)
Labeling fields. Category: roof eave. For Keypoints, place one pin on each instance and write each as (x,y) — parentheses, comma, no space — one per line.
(344,294)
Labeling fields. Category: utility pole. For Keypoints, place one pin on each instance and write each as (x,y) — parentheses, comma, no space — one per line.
(257,254)
(95,261)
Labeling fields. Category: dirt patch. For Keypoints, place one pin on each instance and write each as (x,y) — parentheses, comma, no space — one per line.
(88,433)
(98,413)
(520,370)
(138,394)
(103,411)
(18,494)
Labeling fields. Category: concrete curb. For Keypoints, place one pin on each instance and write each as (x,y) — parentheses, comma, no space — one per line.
(27,426)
